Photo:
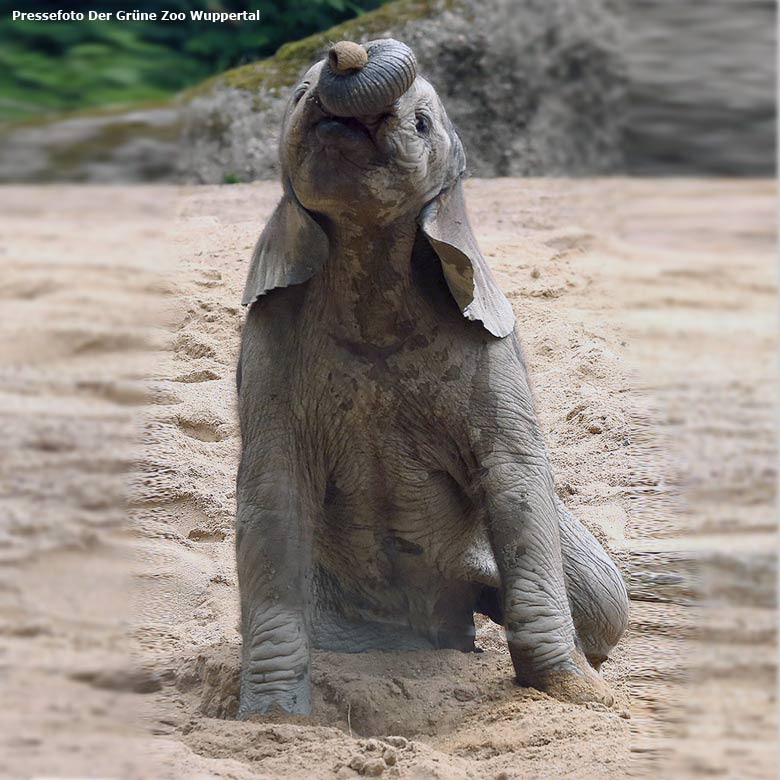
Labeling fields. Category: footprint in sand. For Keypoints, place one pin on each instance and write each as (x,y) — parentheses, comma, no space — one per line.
(203,430)
(206,535)
(193,346)
(198,375)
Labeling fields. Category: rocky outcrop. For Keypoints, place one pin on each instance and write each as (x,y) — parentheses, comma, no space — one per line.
(701,92)
(535,87)
(142,144)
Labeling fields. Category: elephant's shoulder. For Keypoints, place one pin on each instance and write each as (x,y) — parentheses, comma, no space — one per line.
(269,334)
(277,309)
(500,370)
(505,353)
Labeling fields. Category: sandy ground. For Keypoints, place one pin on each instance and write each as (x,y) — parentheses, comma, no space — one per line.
(649,317)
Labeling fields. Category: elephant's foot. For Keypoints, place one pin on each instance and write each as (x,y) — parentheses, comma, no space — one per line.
(275,664)
(260,702)
(573,681)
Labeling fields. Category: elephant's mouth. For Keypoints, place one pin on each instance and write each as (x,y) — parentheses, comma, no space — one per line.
(357,87)
(334,129)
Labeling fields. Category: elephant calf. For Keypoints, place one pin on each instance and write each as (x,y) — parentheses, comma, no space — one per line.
(393,477)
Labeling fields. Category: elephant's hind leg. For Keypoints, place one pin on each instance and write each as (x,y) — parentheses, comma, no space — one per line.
(597,594)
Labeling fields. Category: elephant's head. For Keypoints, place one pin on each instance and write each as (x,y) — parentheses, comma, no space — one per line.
(366,139)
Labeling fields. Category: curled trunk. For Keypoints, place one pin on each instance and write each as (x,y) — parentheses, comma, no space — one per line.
(353,84)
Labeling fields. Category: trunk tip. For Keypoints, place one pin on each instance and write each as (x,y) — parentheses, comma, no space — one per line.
(346,56)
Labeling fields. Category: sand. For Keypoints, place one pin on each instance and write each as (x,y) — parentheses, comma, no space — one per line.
(648,314)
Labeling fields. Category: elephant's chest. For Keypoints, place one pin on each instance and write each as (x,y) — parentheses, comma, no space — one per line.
(392,502)
(386,420)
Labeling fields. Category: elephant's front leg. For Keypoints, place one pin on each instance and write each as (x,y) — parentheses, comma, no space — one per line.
(273,549)
(523,528)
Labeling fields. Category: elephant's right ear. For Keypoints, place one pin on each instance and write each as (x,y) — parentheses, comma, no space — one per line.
(446,226)
(290,250)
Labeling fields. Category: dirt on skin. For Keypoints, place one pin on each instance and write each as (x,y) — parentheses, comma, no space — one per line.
(647,313)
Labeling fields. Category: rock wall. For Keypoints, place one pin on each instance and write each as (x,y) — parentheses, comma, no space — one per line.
(535,87)
(142,144)
(701,94)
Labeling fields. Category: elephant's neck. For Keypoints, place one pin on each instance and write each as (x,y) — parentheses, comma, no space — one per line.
(366,287)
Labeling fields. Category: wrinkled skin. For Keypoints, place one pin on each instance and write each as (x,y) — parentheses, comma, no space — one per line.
(383,174)
(393,478)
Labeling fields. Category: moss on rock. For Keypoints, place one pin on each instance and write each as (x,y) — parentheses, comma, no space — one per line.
(284,67)
(535,87)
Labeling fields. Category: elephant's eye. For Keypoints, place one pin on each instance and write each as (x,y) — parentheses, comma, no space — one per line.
(299,93)
(422,125)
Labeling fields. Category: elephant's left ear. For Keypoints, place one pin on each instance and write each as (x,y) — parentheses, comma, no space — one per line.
(290,250)
(445,224)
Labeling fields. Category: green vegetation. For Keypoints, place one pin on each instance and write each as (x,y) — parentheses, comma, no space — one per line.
(286,64)
(48,67)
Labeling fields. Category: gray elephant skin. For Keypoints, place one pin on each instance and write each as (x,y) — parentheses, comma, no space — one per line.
(393,477)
